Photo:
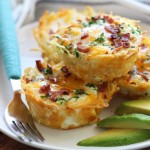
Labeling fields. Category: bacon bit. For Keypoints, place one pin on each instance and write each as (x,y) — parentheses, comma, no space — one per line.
(39,65)
(102,87)
(83,49)
(132,83)
(112,44)
(113,36)
(125,37)
(105,96)
(79,43)
(130,75)
(64,92)
(64,69)
(143,46)
(143,75)
(67,75)
(108,19)
(130,72)
(126,44)
(84,36)
(95,18)
(53,95)
(45,89)
(52,79)
(112,29)
(117,43)
(28,80)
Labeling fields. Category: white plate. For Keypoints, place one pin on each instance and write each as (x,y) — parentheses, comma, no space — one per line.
(55,139)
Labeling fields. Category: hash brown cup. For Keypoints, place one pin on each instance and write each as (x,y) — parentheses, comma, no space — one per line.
(96,48)
(60,100)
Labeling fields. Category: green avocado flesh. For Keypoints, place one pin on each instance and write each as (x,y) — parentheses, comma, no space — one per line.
(135,106)
(116,137)
(134,121)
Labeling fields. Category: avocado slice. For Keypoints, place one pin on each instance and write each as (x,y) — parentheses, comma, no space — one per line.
(116,137)
(135,106)
(132,121)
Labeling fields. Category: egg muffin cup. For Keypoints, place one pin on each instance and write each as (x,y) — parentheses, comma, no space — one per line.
(59,100)
(95,48)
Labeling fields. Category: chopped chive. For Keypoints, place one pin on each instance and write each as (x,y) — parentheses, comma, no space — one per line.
(79,92)
(45,96)
(92,86)
(76,97)
(57,36)
(48,71)
(61,99)
(76,53)
(68,47)
(101,38)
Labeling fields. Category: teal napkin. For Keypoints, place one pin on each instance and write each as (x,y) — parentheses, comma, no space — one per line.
(8,41)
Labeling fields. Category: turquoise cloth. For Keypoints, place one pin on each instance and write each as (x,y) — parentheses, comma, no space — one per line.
(8,41)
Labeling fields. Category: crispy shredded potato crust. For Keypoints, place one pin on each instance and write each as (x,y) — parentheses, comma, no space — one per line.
(67,114)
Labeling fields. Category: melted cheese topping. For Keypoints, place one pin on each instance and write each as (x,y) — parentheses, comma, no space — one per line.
(50,23)
(91,97)
(98,39)
(81,106)
(57,31)
(85,39)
